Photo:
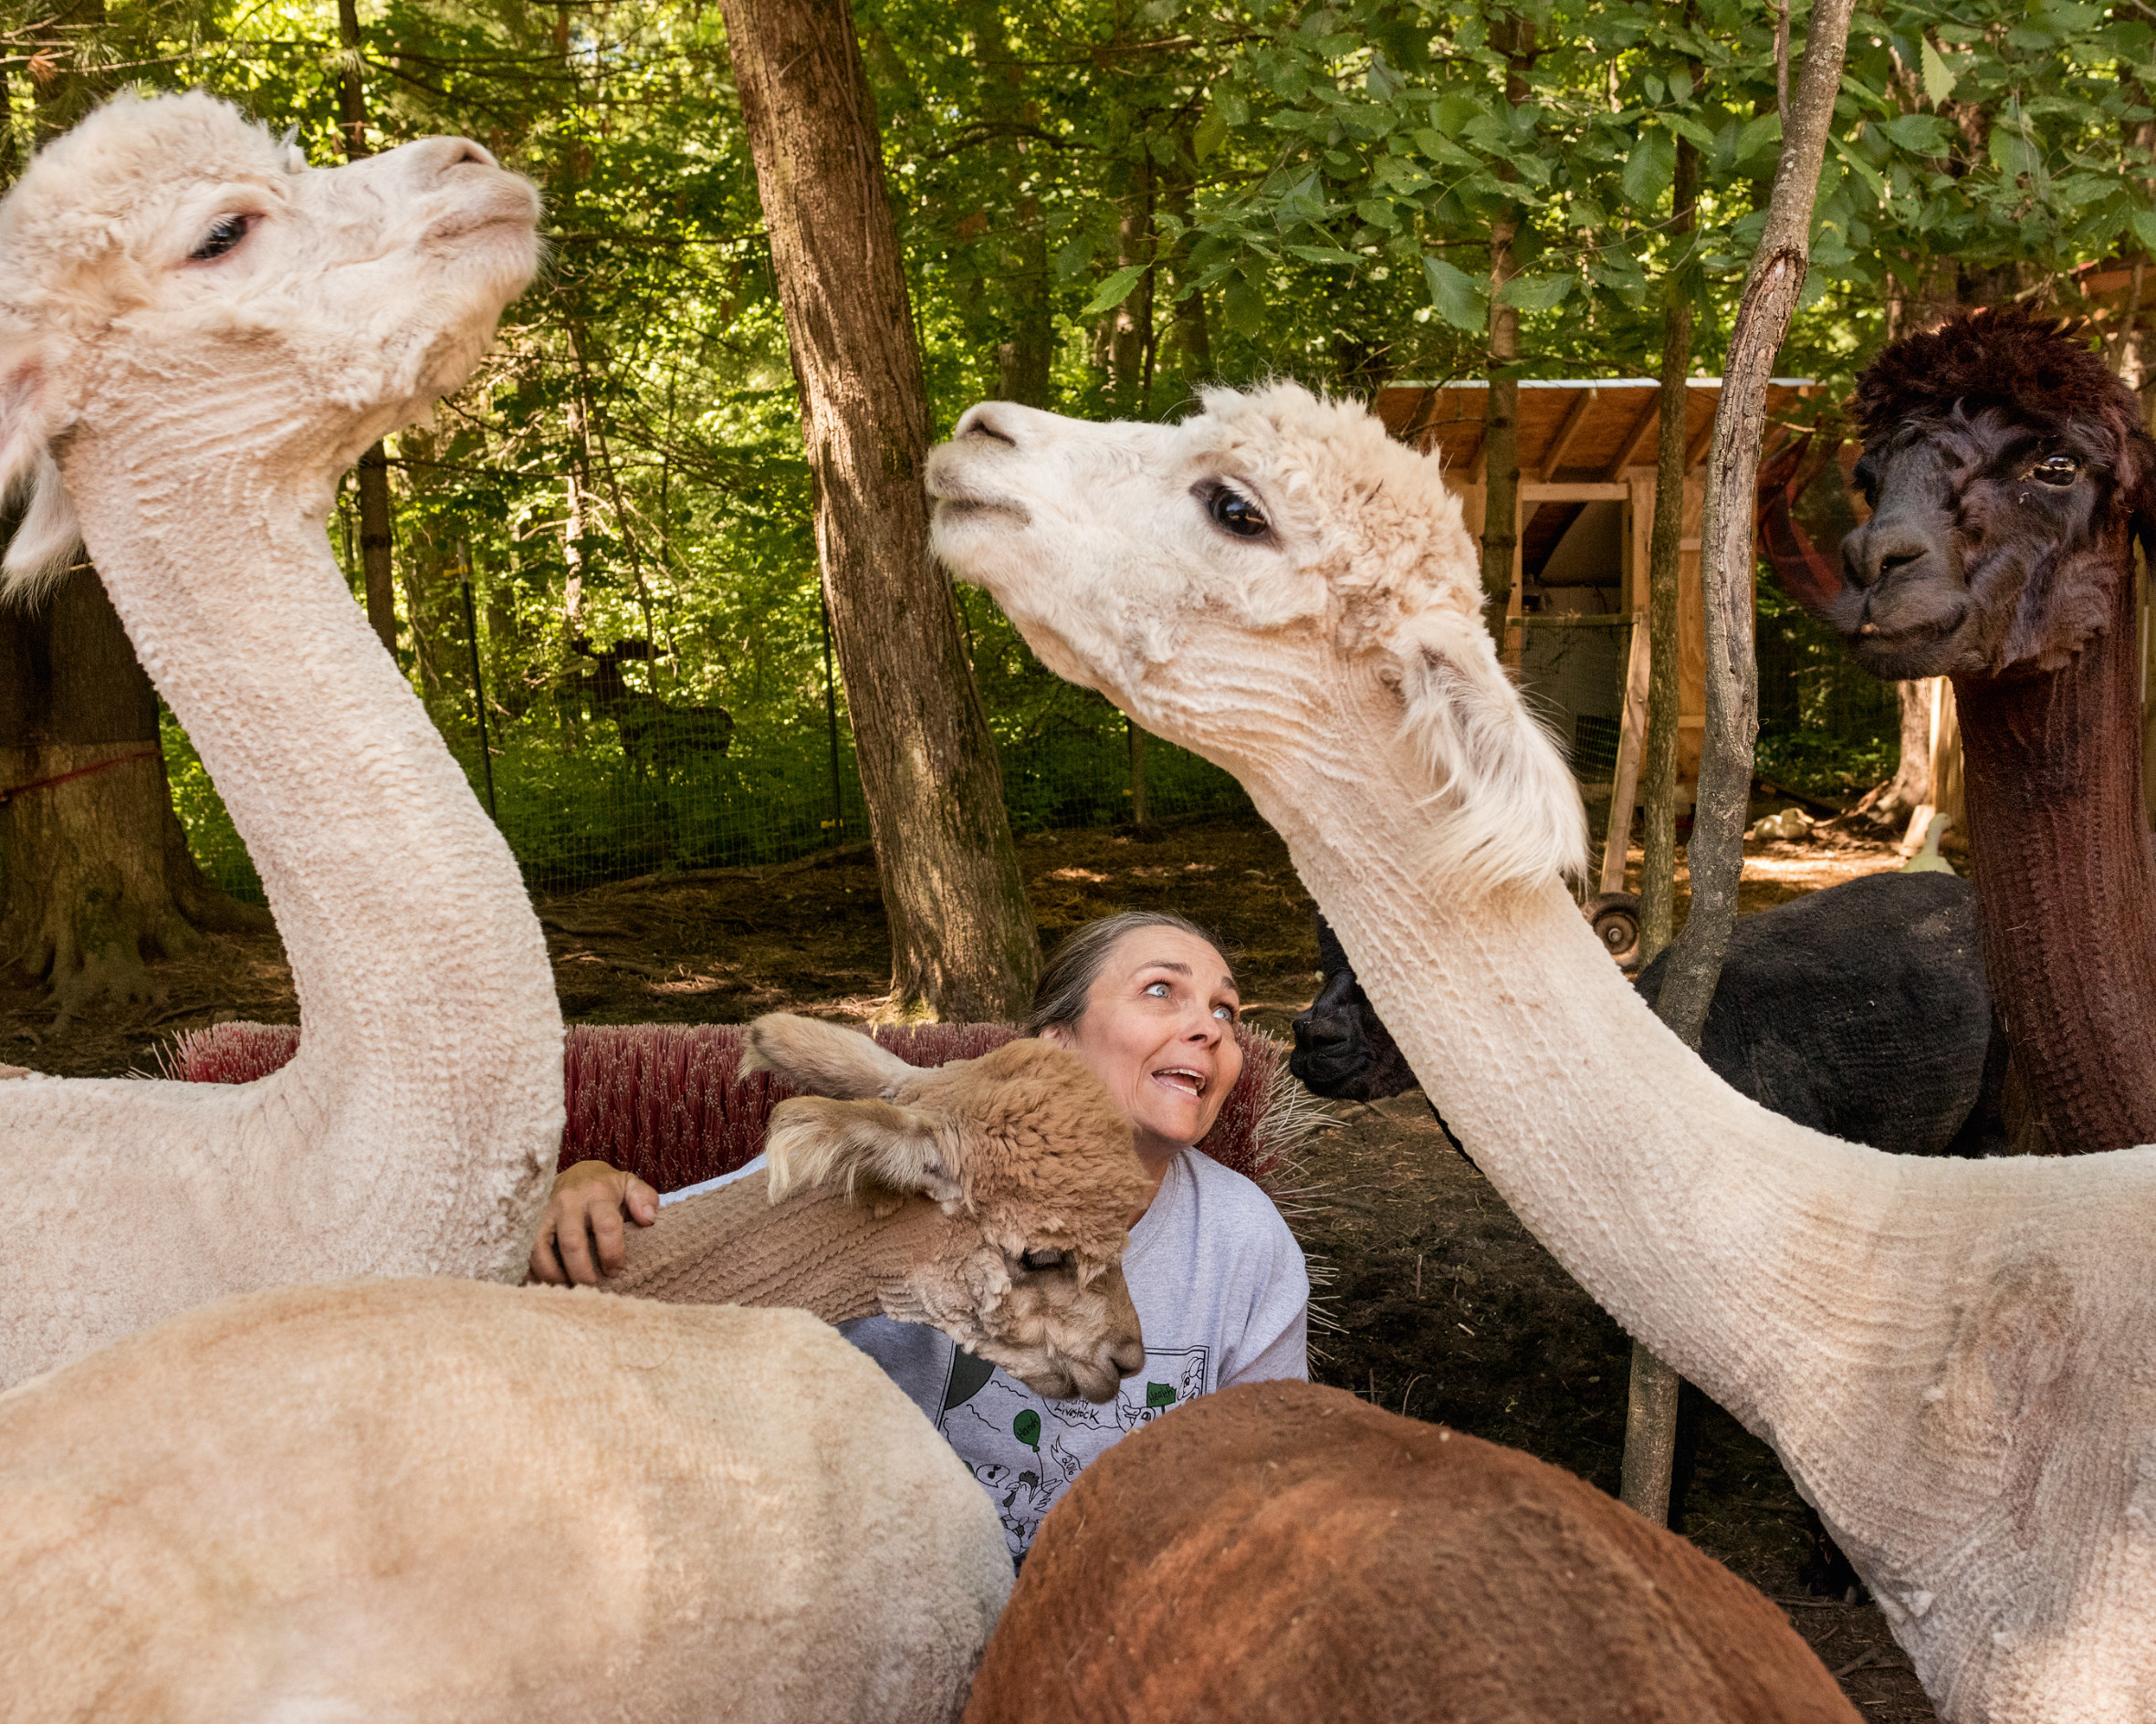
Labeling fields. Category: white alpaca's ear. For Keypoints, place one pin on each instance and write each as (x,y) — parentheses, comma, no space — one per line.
(816,1141)
(47,536)
(1504,809)
(822,1059)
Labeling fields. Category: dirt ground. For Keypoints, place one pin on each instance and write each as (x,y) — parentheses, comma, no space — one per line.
(1433,1299)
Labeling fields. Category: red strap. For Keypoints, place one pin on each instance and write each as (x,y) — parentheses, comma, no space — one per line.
(80,772)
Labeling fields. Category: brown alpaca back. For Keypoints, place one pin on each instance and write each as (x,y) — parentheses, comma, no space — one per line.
(1284,1552)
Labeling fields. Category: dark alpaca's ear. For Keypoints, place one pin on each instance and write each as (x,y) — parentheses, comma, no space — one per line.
(2137,483)
(1809,575)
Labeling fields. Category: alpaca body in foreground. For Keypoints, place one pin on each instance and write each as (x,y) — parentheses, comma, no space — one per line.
(198,334)
(1861,1011)
(2009,474)
(431,1498)
(452,1503)
(1286,1552)
(1956,1360)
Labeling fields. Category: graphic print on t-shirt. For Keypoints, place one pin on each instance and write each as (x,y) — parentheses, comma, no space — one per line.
(1026,1451)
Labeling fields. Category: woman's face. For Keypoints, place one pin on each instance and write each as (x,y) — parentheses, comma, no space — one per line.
(1160,1031)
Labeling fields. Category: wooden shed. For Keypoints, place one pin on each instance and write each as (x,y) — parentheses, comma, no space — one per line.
(1575,634)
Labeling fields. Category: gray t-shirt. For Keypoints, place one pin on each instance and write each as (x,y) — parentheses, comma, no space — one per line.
(1220,1288)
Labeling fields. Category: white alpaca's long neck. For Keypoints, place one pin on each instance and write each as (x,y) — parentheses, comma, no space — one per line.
(1718,1233)
(431,1051)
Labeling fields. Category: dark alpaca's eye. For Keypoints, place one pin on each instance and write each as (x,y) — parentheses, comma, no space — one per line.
(1232,512)
(225,231)
(1039,1261)
(2055,469)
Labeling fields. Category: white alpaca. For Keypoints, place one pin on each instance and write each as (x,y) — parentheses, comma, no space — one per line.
(198,335)
(442,1503)
(1955,1360)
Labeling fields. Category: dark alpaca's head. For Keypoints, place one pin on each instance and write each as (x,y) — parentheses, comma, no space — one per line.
(2007,472)
(1343,1050)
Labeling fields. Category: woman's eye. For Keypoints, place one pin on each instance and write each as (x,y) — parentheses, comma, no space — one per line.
(226,232)
(1157,989)
(1226,1014)
(1037,1261)
(2055,469)
(1232,512)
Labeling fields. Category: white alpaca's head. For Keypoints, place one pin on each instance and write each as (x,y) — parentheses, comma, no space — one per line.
(1273,539)
(168,250)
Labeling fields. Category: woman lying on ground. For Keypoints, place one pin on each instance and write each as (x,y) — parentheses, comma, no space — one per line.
(1147,1001)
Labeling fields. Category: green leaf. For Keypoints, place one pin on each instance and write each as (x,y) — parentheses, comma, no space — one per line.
(1921,134)
(1685,126)
(1456,295)
(1938,78)
(1324,255)
(1653,166)
(2011,152)
(1544,295)
(2144,228)
(1758,134)
(1115,290)
(1210,134)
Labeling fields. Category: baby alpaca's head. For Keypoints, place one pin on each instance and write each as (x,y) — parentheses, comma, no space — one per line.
(1031,1164)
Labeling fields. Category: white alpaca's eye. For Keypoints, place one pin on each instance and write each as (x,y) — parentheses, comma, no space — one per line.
(1039,1261)
(1232,512)
(225,231)
(2055,469)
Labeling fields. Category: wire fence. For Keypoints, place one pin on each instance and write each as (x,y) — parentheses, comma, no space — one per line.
(580,805)
(595,780)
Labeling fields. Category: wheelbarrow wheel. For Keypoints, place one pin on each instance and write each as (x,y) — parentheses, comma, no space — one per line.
(1615,917)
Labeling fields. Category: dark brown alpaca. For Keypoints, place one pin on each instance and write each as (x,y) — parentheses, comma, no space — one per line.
(2009,475)
(1282,1552)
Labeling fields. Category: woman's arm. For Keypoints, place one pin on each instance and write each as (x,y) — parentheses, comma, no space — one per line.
(581,1237)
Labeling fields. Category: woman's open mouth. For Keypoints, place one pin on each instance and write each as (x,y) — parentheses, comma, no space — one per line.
(1182,1079)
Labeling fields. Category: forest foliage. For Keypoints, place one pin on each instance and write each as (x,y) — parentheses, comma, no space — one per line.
(1104,205)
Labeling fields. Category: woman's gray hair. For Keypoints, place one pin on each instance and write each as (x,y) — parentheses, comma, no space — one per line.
(1066,984)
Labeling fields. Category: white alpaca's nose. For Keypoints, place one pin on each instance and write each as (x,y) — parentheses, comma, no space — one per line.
(989,419)
(440,154)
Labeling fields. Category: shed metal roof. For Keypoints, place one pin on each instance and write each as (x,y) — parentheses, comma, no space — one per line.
(1575,429)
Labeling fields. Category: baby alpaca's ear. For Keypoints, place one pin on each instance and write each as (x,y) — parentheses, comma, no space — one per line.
(822,1059)
(47,536)
(1503,806)
(816,1141)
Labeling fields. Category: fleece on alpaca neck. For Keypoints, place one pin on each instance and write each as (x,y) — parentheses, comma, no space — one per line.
(172,395)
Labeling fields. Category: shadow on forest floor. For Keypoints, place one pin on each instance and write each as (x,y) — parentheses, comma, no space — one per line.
(1436,1299)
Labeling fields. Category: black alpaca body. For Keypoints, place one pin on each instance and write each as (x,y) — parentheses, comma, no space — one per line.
(1861,1011)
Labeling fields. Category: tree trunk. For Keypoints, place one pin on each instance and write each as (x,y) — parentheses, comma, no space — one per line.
(1501,444)
(1130,325)
(1514,37)
(1028,344)
(96,880)
(1726,550)
(1726,556)
(1658,875)
(1650,1411)
(962,939)
(1191,334)
(375,548)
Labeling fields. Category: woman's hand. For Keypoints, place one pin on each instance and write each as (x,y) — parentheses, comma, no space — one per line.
(581,1237)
